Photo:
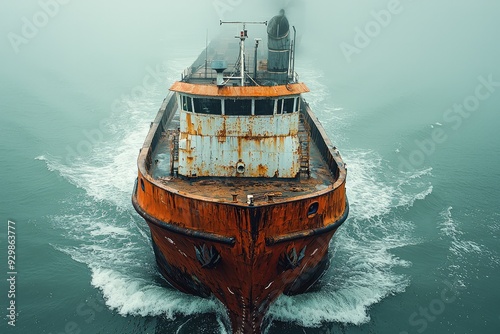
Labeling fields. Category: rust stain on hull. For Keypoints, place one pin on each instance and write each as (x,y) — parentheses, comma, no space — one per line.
(252,271)
(267,249)
(223,221)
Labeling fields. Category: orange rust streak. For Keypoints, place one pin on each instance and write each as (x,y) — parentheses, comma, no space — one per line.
(250,257)
(170,206)
(246,91)
(189,124)
(262,169)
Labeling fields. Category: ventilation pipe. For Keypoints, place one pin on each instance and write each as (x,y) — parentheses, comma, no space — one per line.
(278,59)
(219,66)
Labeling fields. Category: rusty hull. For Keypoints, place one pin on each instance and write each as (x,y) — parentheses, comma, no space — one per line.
(272,247)
(252,241)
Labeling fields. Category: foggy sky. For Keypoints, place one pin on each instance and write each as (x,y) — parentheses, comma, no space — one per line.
(121,35)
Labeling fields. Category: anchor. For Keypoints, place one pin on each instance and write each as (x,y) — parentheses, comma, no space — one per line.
(292,260)
(208,257)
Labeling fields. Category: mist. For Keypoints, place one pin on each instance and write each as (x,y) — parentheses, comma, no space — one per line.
(384,76)
(118,36)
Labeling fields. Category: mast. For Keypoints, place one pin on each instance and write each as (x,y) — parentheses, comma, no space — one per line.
(257,40)
(206,53)
(243,36)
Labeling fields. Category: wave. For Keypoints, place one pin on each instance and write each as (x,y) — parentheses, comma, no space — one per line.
(105,234)
(363,266)
(129,296)
(450,227)
(107,171)
(100,226)
(464,254)
(333,117)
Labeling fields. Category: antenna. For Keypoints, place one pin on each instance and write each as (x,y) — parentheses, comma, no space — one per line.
(257,40)
(206,53)
(293,52)
(243,36)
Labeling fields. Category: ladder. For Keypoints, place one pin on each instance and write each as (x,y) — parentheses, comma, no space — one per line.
(174,152)
(304,147)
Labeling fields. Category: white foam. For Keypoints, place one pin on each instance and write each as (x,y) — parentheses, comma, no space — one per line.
(362,271)
(107,173)
(132,296)
(102,230)
(376,193)
(321,100)
(450,228)
(122,262)
(464,254)
(364,189)
(417,174)
(123,267)
(413,186)
(363,266)
(361,275)
(106,230)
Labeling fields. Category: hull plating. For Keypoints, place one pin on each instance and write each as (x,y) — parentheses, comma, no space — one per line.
(207,240)
(248,259)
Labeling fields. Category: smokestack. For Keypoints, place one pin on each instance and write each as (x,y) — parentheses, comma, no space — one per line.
(278,33)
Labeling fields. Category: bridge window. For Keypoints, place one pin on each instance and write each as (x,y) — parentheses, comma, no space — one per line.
(207,106)
(264,107)
(288,105)
(237,107)
(186,103)
(279,108)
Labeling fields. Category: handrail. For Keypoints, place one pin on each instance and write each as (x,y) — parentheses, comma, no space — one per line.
(163,117)
(318,135)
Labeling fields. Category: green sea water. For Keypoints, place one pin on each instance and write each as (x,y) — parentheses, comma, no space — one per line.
(409,91)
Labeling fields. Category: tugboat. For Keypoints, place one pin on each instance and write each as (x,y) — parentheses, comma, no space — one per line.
(237,180)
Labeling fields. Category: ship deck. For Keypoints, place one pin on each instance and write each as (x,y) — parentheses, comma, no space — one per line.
(223,189)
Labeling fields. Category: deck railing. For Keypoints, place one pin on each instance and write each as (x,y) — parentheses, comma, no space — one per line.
(205,72)
(158,126)
(319,137)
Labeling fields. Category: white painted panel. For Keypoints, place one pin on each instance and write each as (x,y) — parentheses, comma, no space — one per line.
(267,145)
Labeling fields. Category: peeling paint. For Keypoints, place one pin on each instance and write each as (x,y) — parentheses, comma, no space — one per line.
(268,145)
